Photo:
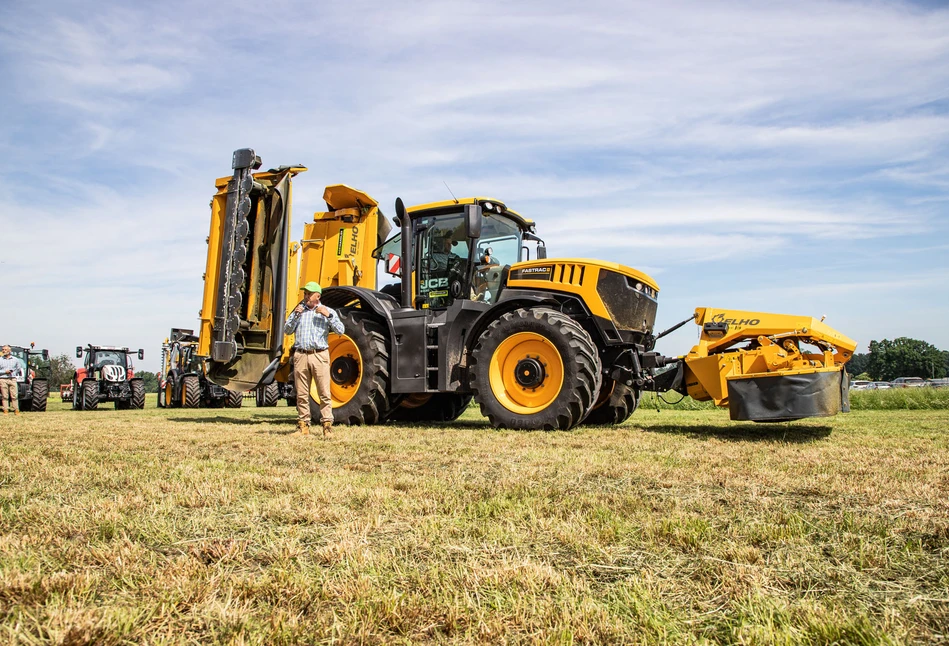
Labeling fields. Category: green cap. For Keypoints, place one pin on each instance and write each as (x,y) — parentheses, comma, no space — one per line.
(314,287)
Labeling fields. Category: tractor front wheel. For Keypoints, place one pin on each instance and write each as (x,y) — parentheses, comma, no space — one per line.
(616,403)
(359,371)
(535,369)
(138,394)
(267,396)
(40,388)
(234,399)
(89,395)
(190,392)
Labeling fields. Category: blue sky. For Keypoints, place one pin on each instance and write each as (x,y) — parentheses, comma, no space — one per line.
(784,157)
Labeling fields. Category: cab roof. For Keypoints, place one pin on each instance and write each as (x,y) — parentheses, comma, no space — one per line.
(497,207)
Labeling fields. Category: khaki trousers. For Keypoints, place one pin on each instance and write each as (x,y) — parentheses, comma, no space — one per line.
(8,389)
(312,367)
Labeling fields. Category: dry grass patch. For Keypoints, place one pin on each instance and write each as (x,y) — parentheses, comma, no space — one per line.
(678,527)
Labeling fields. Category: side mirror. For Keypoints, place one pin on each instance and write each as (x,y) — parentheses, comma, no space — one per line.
(473,220)
(45,355)
(79,351)
(541,252)
(141,354)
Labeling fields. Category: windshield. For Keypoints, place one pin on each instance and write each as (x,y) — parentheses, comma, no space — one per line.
(444,257)
(109,358)
(499,245)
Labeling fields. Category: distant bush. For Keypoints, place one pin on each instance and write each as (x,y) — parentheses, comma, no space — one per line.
(900,399)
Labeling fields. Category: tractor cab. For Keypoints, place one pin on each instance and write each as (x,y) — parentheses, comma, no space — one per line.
(451,263)
(99,358)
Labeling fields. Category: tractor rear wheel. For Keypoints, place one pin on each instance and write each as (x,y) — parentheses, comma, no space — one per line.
(535,369)
(190,392)
(616,403)
(437,407)
(40,388)
(138,394)
(89,395)
(268,395)
(359,371)
(234,399)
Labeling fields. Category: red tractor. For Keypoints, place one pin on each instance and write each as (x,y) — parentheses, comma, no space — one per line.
(107,375)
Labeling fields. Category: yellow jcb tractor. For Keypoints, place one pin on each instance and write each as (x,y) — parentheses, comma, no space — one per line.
(183,382)
(538,343)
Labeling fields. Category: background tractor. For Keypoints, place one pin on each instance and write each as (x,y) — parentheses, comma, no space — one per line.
(107,375)
(538,343)
(183,382)
(33,386)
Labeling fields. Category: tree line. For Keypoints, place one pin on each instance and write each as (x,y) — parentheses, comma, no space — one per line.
(901,357)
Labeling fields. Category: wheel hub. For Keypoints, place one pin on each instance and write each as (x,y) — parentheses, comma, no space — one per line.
(344,370)
(529,373)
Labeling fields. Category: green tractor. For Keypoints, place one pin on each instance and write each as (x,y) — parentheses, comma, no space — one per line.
(32,390)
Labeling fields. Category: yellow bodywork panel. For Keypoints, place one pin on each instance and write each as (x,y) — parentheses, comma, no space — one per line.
(736,345)
(337,246)
(578,276)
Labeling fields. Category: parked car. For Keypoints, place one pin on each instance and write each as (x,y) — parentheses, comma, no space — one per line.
(908,382)
(859,384)
(939,383)
(879,385)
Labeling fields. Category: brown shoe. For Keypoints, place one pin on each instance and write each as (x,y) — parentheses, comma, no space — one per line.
(16,412)
(303,427)
(328,430)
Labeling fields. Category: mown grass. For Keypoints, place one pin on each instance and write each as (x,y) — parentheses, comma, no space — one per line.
(217,526)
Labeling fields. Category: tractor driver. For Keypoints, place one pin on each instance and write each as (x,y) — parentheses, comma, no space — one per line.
(446,260)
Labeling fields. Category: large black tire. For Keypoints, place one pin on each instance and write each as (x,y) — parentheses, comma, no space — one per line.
(234,399)
(438,407)
(40,389)
(360,380)
(190,392)
(76,395)
(89,397)
(519,362)
(615,405)
(267,396)
(138,394)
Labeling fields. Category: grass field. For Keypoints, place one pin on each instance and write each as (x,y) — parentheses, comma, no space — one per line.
(216,526)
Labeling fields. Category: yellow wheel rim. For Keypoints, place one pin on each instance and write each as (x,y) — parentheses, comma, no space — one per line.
(345,371)
(526,373)
(168,395)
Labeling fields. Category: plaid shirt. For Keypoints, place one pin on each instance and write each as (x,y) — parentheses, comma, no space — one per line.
(10,368)
(311,330)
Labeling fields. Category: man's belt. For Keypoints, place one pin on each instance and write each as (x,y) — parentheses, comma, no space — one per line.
(302,351)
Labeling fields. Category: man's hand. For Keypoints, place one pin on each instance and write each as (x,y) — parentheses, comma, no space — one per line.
(322,309)
(298,309)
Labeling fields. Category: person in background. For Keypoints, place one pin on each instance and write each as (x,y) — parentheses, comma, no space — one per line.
(10,371)
(310,323)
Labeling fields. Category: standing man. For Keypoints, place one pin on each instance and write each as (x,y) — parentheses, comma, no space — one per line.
(10,371)
(310,323)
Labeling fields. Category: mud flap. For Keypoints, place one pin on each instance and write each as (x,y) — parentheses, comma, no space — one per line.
(781,397)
